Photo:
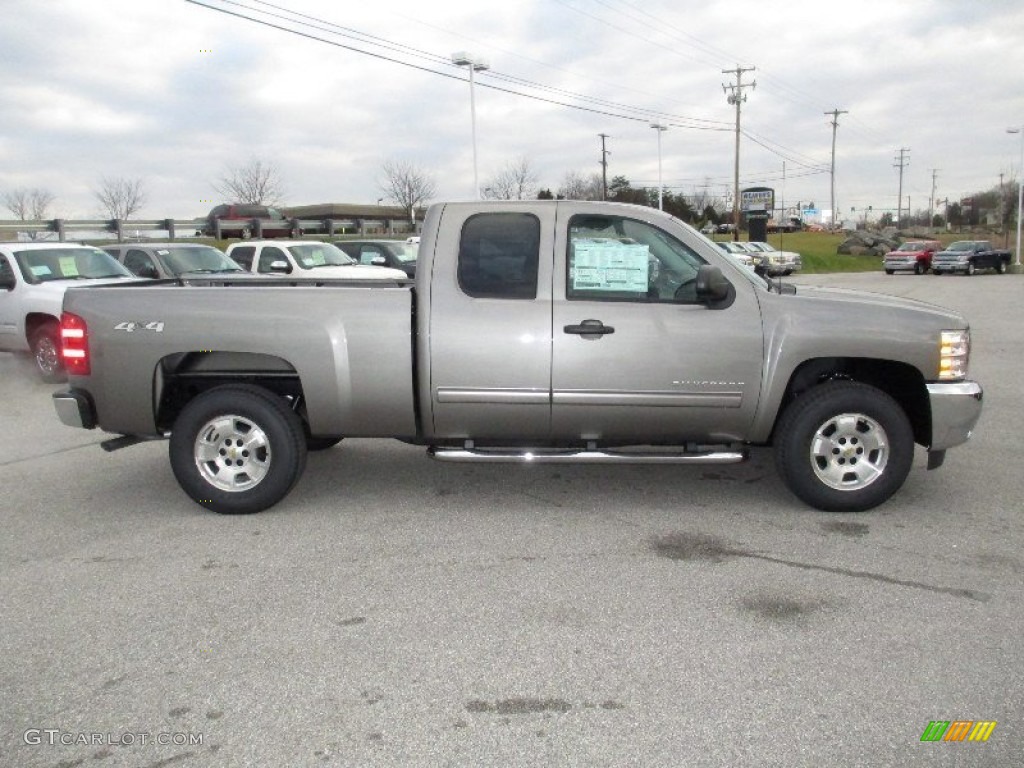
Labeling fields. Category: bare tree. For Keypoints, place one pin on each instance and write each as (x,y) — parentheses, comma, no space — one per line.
(255,183)
(516,181)
(29,205)
(577,187)
(120,198)
(407,184)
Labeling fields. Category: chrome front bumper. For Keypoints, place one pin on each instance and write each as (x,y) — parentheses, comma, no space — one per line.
(955,409)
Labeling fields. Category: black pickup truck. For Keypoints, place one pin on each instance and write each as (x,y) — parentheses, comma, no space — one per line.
(968,256)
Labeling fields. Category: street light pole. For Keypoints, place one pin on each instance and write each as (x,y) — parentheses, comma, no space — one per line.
(1020,190)
(463,59)
(660,129)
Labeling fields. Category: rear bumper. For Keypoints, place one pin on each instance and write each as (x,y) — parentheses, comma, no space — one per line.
(75,408)
(955,409)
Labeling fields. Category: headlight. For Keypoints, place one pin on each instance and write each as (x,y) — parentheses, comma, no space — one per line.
(954,350)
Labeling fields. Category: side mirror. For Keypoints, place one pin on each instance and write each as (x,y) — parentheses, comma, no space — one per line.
(379,261)
(280,266)
(712,287)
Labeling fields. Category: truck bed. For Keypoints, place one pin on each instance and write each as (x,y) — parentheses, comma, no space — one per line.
(349,343)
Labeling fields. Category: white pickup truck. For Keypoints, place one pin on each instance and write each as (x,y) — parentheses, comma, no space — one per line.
(536,331)
(33,278)
(305,258)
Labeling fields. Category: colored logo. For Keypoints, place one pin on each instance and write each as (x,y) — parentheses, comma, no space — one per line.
(958,730)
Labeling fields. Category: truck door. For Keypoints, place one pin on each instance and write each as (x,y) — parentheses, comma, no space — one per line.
(489,310)
(636,358)
(8,311)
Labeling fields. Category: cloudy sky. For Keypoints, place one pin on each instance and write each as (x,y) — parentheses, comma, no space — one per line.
(176,93)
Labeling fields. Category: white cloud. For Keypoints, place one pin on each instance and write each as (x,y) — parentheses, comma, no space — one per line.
(174,92)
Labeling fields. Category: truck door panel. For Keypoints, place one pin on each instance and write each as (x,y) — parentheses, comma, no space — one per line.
(490,323)
(664,368)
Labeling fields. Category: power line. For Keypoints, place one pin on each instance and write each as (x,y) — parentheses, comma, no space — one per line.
(613,110)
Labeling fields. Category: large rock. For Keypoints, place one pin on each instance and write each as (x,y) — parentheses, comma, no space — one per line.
(862,243)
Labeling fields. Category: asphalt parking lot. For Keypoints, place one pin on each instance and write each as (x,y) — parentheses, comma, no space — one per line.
(398,611)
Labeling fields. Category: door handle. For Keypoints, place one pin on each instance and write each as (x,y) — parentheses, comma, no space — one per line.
(589,327)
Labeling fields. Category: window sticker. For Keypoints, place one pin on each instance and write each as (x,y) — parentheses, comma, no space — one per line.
(608,265)
(68,266)
(41,271)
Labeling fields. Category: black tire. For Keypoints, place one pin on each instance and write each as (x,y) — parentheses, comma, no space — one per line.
(890,271)
(45,345)
(936,271)
(237,449)
(918,268)
(828,431)
(971,269)
(321,443)
(1001,267)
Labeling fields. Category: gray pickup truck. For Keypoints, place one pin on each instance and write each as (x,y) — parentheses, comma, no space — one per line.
(545,331)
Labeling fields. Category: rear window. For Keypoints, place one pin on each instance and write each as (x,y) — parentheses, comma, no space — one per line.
(498,256)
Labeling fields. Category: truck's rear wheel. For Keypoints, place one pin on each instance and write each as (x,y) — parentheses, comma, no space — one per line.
(45,346)
(971,269)
(844,447)
(1001,267)
(237,449)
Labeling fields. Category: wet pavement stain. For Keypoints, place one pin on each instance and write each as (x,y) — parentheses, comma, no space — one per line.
(779,609)
(845,528)
(518,706)
(694,547)
(697,547)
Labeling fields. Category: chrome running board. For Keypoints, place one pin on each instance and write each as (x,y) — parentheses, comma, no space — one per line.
(583,456)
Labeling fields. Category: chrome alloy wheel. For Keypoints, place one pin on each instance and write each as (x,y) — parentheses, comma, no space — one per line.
(849,451)
(232,453)
(47,356)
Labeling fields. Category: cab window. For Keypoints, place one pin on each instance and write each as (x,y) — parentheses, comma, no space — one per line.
(498,256)
(614,258)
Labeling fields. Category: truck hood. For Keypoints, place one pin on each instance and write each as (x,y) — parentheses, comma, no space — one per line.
(351,272)
(878,302)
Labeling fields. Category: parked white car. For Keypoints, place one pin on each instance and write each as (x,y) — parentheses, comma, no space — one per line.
(33,278)
(773,261)
(738,252)
(309,258)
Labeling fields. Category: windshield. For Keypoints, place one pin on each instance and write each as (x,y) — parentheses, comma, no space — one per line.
(404,252)
(47,264)
(313,255)
(963,245)
(196,259)
(911,247)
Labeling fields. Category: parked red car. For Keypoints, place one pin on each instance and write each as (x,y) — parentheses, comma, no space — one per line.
(913,256)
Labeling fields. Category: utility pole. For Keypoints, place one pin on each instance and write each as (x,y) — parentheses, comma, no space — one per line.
(931,200)
(901,161)
(736,97)
(604,167)
(835,124)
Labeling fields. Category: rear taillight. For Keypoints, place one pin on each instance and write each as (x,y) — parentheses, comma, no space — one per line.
(74,344)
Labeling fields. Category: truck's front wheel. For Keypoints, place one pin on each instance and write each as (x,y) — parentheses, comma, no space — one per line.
(844,447)
(237,449)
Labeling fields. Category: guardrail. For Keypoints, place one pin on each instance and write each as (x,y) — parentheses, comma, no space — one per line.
(123,229)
